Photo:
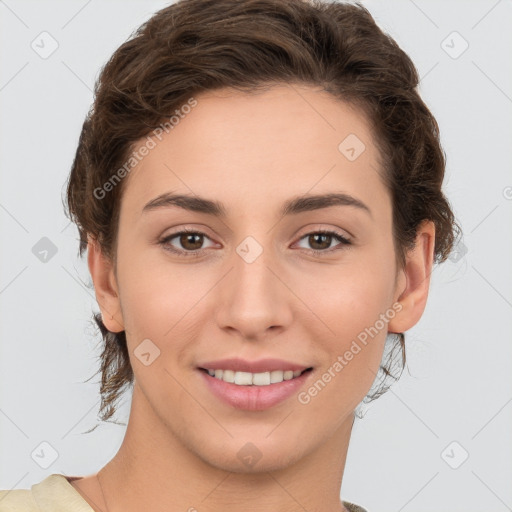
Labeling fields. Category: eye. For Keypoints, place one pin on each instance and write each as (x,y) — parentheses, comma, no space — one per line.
(189,240)
(321,241)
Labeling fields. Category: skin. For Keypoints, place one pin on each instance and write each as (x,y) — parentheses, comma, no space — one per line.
(251,152)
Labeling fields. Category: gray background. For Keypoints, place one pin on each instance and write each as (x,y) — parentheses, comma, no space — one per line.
(407,454)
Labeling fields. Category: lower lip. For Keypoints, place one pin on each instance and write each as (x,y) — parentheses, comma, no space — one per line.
(254,398)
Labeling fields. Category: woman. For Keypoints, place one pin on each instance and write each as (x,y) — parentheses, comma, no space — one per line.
(258,187)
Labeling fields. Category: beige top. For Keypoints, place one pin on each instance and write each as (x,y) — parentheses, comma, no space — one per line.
(56,494)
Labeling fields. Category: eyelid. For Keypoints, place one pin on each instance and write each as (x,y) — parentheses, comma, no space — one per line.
(321,228)
(344,241)
(164,240)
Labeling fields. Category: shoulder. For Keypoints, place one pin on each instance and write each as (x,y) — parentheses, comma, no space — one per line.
(17,500)
(352,507)
(53,494)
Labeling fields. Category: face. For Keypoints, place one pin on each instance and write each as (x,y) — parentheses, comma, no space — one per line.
(255,283)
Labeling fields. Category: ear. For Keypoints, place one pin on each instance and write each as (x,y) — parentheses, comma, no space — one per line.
(105,286)
(416,275)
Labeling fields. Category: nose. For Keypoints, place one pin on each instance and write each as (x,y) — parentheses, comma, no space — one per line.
(254,299)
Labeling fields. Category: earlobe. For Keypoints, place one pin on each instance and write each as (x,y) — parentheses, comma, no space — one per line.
(105,286)
(417,271)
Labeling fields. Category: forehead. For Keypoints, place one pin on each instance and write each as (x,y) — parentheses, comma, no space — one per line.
(248,149)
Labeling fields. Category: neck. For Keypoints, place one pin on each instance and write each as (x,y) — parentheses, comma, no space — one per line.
(154,471)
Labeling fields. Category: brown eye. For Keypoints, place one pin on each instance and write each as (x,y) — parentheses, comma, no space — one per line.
(320,241)
(190,243)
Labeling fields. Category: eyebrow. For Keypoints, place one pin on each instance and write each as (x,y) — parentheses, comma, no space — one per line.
(293,206)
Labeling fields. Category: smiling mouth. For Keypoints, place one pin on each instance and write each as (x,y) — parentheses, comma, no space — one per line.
(254,379)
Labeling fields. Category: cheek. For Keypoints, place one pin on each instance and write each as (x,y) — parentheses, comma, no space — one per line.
(157,306)
(353,344)
(165,303)
(352,306)
(347,298)
(155,293)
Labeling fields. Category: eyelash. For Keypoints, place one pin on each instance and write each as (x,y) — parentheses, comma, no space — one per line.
(194,254)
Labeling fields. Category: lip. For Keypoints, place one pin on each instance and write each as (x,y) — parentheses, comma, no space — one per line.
(263,365)
(254,398)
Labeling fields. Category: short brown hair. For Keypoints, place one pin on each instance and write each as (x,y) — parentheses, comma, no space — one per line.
(199,45)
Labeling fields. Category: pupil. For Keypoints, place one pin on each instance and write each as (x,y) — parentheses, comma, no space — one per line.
(185,240)
(321,236)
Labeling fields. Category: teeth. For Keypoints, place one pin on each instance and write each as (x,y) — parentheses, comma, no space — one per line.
(255,379)
(226,375)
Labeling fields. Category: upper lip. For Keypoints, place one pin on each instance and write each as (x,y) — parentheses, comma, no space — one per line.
(260,366)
